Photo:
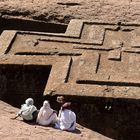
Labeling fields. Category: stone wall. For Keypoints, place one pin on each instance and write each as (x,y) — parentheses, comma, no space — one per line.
(93,64)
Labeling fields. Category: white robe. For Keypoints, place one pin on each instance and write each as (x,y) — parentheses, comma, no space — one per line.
(67,120)
(27,109)
(46,116)
(26,112)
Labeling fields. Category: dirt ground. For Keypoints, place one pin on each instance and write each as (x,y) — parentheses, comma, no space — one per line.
(59,11)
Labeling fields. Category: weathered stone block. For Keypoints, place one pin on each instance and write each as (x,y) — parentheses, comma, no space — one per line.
(85,60)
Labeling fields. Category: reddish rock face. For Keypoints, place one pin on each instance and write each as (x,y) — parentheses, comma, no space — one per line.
(91,60)
(94,63)
(63,11)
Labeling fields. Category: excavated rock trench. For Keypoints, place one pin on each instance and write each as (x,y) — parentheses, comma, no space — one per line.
(7,23)
(112,117)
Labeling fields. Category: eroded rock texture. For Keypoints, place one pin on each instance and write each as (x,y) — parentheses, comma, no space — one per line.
(95,64)
(65,10)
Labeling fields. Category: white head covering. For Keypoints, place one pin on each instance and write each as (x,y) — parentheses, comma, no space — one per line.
(46,104)
(27,109)
(29,101)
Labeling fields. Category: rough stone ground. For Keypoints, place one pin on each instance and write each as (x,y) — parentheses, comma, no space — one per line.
(63,10)
(59,11)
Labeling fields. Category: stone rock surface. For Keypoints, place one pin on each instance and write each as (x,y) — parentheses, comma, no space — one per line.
(65,10)
(62,11)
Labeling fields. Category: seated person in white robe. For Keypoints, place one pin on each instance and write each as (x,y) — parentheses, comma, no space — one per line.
(46,115)
(28,111)
(66,118)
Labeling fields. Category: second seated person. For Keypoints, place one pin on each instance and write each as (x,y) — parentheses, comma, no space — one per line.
(46,115)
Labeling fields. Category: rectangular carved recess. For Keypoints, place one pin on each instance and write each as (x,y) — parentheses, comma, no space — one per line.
(110,83)
(18,82)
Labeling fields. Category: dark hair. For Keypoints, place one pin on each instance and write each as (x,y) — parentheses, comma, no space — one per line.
(60,99)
